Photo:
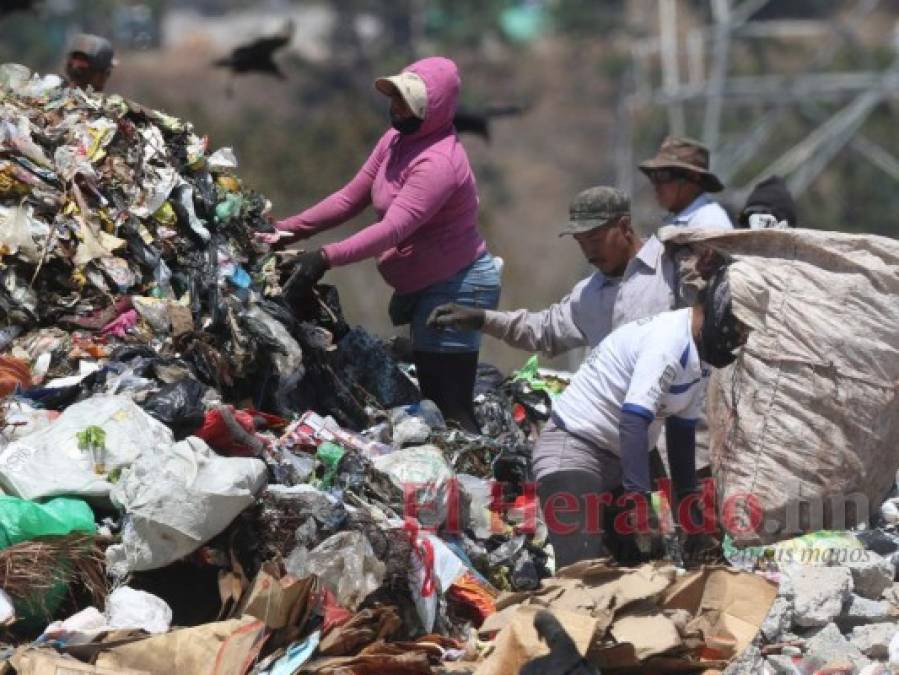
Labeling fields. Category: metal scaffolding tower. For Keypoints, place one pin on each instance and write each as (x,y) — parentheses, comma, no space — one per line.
(678,70)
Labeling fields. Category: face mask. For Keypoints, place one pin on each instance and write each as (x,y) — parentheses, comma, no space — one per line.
(712,349)
(407,125)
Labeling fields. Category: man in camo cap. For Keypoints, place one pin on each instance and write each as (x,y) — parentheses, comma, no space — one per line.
(634,279)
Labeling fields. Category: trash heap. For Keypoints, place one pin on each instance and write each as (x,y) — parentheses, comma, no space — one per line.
(203,470)
(178,426)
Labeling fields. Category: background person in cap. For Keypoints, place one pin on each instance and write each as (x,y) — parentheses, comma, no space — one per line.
(425,236)
(681,178)
(770,205)
(597,442)
(634,279)
(89,62)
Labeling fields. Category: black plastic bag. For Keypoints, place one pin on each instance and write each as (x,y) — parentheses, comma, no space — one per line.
(179,406)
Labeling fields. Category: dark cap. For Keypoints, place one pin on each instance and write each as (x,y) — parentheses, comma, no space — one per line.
(97,50)
(771,196)
(595,207)
(686,154)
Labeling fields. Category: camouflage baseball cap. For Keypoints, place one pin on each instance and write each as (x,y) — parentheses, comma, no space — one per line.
(595,207)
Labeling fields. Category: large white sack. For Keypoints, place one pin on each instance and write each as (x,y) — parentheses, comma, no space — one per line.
(178,500)
(805,423)
(49,462)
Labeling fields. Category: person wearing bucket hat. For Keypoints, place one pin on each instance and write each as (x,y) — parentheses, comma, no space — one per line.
(634,279)
(593,454)
(89,61)
(425,238)
(681,178)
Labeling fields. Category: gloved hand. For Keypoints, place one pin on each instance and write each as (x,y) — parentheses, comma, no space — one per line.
(456,316)
(309,268)
(697,542)
(643,541)
(277,238)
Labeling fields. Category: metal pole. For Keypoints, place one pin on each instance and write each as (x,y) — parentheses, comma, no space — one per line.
(670,69)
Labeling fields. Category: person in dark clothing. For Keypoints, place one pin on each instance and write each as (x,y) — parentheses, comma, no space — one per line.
(769,205)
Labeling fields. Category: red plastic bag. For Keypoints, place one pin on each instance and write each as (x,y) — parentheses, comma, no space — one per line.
(238,439)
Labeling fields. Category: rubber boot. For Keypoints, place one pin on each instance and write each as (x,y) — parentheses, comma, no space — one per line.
(447,378)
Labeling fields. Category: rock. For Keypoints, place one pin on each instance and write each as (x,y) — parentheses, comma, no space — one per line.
(780,664)
(891,594)
(872,575)
(779,619)
(874,640)
(829,646)
(748,662)
(859,610)
(819,593)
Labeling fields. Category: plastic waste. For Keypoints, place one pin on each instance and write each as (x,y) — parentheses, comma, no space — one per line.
(7,608)
(177,500)
(824,547)
(183,204)
(222,160)
(345,563)
(154,311)
(434,569)
(93,440)
(479,492)
(14,373)
(179,406)
(296,655)
(330,454)
(24,520)
(78,629)
(424,477)
(130,608)
(411,431)
(49,463)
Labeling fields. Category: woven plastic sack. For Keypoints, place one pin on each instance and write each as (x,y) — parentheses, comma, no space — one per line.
(804,426)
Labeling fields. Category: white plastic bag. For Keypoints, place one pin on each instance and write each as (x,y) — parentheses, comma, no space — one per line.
(424,474)
(49,462)
(426,584)
(7,608)
(178,500)
(345,562)
(129,608)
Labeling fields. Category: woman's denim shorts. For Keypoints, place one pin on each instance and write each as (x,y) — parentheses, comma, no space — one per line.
(477,285)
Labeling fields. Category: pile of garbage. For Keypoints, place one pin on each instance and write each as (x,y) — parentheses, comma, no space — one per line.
(205,470)
(187,442)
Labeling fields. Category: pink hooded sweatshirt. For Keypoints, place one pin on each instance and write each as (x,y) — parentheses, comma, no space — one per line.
(423,190)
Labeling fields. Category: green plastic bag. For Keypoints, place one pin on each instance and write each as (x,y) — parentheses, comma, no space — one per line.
(23,519)
(530,373)
(329,454)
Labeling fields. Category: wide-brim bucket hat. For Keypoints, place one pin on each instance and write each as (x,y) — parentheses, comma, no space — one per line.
(686,154)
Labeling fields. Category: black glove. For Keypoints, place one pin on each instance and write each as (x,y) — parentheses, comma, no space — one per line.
(309,268)
(456,316)
(697,542)
(639,545)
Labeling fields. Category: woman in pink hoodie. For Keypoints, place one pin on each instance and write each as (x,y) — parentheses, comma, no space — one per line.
(426,239)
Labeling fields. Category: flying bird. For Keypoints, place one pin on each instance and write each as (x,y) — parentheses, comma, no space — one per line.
(256,56)
(10,6)
(478,121)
